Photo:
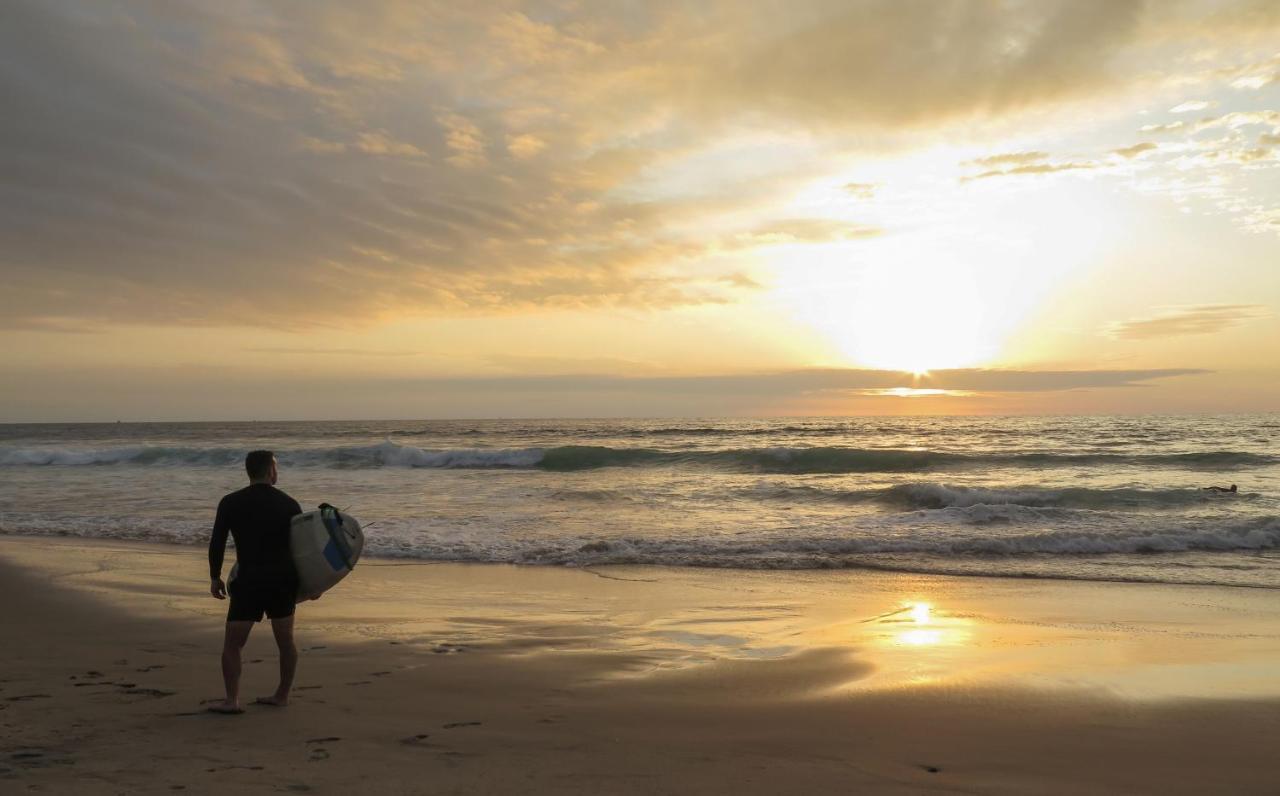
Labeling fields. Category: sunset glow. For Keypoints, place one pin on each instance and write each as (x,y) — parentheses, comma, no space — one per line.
(435,209)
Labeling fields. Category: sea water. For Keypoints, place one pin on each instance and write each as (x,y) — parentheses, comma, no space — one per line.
(1101,498)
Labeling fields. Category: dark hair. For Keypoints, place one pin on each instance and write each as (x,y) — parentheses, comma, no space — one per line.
(258,464)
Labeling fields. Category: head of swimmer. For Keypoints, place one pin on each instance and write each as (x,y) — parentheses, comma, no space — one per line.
(261,467)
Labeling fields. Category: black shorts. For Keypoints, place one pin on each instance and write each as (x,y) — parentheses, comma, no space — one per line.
(251,599)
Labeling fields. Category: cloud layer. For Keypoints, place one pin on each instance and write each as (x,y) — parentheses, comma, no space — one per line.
(293,165)
(1177,321)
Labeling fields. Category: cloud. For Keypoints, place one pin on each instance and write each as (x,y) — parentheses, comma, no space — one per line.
(862,190)
(793,383)
(525,146)
(909,62)
(362,352)
(1012,164)
(203,392)
(464,139)
(1203,319)
(243,164)
(803,230)
(1255,76)
(1135,150)
(979,380)
(1211,162)
(1010,159)
(1191,105)
(551,364)
(1034,169)
(1163,128)
(1239,119)
(379,143)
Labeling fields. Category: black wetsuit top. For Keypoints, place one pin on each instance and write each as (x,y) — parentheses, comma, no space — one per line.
(258,519)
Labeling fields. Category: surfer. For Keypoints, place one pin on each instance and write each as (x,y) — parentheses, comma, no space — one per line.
(265,582)
(1232,488)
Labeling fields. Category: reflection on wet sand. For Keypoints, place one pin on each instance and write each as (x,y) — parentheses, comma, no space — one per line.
(925,626)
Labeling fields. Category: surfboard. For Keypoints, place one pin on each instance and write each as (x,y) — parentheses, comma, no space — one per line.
(326,544)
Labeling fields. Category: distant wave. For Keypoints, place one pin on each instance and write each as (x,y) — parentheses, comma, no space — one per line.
(137,455)
(776,459)
(928,495)
(939,496)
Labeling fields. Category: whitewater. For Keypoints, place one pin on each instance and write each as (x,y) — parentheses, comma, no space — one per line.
(1105,498)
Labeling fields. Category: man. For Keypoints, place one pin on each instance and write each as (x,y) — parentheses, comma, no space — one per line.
(266,581)
(1231,489)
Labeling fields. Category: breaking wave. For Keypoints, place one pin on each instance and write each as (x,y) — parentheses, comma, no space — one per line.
(796,460)
(809,551)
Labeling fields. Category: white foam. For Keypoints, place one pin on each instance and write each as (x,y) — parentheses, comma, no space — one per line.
(393,454)
(385,454)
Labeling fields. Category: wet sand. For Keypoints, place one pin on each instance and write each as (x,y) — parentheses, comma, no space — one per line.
(440,678)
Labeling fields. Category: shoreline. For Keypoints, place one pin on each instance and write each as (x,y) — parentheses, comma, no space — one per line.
(640,679)
(588,567)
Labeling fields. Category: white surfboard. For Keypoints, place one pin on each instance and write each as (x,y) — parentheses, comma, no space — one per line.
(326,545)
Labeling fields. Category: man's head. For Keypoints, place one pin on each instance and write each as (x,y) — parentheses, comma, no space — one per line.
(1233,487)
(261,467)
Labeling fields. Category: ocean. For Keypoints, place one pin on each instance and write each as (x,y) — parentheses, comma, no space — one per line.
(1093,498)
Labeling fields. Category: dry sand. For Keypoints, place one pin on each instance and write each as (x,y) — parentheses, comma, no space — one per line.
(420,678)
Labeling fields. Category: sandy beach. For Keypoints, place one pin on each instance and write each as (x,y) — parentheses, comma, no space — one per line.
(436,678)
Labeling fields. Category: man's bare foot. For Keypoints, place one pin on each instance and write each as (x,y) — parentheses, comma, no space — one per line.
(229,708)
(273,701)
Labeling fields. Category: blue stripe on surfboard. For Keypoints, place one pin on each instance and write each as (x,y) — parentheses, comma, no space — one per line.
(334,556)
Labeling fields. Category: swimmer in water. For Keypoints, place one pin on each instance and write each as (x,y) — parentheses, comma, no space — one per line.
(1231,489)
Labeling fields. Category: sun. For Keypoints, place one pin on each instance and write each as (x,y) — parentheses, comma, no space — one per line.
(909,318)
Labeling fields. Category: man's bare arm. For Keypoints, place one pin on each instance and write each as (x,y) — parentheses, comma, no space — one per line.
(217,549)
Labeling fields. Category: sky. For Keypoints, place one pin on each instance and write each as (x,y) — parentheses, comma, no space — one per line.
(323,209)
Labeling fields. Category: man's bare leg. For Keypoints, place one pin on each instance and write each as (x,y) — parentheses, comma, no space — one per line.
(282,628)
(237,634)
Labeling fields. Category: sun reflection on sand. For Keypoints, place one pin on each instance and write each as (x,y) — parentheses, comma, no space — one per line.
(927,627)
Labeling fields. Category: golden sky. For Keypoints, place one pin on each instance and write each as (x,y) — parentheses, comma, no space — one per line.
(405,209)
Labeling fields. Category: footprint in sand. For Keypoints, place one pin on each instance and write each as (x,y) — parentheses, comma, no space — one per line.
(360,682)
(330,739)
(307,687)
(318,754)
(152,667)
(930,769)
(456,724)
(379,674)
(448,649)
(28,697)
(35,757)
(414,740)
(151,692)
